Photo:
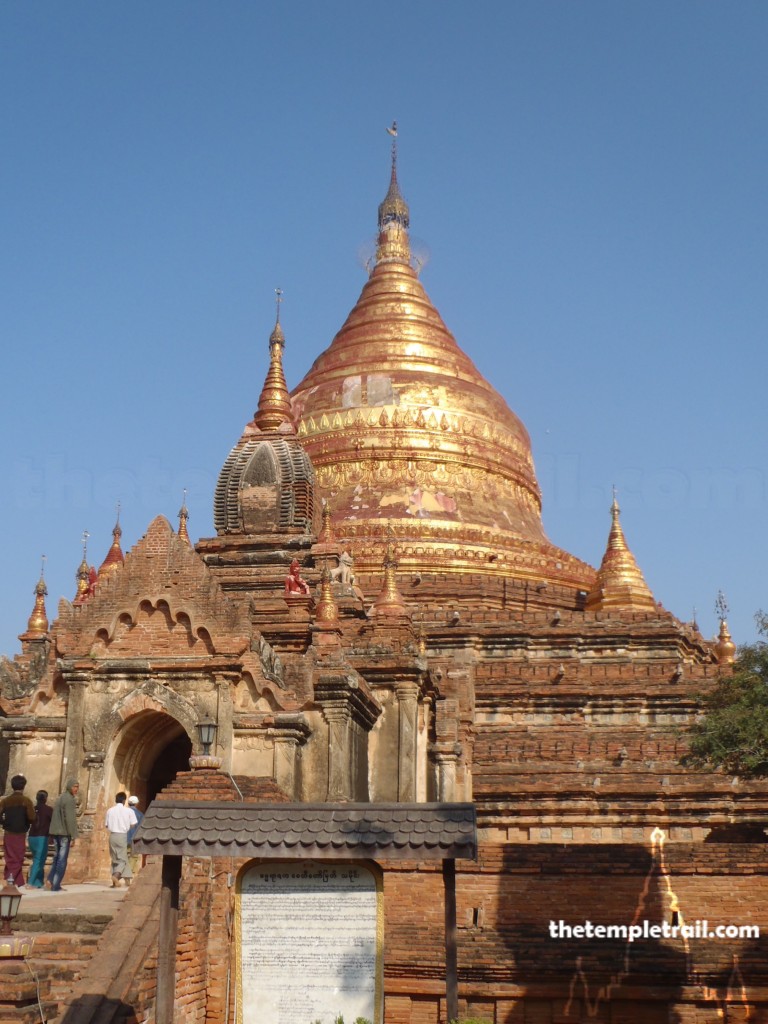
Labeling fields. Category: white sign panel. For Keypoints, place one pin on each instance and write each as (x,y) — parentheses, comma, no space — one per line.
(310,942)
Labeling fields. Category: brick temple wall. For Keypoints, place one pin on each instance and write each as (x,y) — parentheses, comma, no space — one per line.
(199,932)
(511,971)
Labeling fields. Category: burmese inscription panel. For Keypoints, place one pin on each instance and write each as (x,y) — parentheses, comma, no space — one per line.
(310,942)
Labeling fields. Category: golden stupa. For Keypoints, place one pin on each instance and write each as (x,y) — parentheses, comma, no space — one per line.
(411,444)
(619,582)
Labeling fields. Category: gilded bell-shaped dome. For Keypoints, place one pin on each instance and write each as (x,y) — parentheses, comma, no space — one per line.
(38,620)
(402,427)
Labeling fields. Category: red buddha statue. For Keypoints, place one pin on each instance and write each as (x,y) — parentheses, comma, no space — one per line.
(294,584)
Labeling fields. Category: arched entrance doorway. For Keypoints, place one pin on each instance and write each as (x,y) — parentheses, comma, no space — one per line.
(171,760)
(151,749)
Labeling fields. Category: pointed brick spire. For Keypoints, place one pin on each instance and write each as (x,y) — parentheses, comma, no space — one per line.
(620,584)
(275,401)
(115,557)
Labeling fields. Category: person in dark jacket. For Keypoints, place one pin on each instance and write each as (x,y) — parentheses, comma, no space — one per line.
(64,832)
(16,815)
(38,840)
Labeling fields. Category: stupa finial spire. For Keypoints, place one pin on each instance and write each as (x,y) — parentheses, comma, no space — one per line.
(114,557)
(620,583)
(393,132)
(326,536)
(183,517)
(275,400)
(327,609)
(83,574)
(38,620)
(725,648)
(394,217)
(390,601)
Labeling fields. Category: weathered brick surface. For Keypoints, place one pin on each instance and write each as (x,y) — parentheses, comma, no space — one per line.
(196,932)
(58,960)
(511,970)
(211,784)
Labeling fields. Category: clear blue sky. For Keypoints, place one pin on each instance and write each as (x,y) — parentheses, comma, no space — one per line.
(589,178)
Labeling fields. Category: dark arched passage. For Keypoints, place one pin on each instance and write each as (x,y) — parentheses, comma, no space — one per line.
(151,749)
(171,760)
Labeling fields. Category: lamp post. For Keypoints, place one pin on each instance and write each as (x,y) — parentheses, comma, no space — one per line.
(14,947)
(206,736)
(207,732)
(10,898)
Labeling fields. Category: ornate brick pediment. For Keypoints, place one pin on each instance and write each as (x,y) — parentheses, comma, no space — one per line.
(163,599)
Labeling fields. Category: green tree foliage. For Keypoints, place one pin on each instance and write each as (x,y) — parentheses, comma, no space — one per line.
(733,734)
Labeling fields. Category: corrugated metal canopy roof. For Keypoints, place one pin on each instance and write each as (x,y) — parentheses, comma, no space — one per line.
(382,831)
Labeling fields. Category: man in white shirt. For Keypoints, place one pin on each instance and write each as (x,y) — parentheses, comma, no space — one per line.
(118,822)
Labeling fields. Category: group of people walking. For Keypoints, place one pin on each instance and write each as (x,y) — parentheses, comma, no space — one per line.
(45,827)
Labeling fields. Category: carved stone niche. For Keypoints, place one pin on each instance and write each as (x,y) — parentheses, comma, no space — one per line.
(290,733)
(16,681)
(17,733)
(351,712)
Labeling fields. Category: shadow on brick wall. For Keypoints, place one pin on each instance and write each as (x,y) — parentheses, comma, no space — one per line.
(528,937)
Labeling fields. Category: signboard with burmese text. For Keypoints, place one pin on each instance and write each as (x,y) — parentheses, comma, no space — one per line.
(310,943)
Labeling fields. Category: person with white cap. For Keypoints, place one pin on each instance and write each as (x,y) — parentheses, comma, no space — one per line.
(134,858)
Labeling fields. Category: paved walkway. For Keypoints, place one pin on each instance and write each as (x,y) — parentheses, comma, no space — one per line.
(87,898)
